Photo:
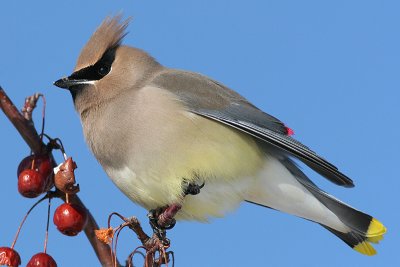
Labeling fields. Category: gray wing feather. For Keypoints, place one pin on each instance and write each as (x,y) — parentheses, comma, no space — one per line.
(212,100)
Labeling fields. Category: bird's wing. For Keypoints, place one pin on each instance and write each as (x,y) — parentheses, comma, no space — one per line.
(213,100)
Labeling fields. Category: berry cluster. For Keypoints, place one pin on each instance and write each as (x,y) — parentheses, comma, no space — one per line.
(36,177)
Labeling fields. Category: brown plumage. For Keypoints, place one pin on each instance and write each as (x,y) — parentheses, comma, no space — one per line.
(109,34)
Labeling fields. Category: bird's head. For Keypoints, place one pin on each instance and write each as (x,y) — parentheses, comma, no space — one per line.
(105,68)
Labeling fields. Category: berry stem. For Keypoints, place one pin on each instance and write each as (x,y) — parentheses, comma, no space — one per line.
(58,140)
(47,227)
(115,244)
(24,219)
(43,116)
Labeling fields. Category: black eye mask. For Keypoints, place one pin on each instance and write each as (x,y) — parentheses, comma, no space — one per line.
(97,71)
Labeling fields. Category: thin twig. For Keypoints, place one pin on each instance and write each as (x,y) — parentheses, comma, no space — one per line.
(24,219)
(153,246)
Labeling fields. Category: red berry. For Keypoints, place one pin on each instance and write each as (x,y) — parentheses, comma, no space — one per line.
(9,257)
(42,164)
(31,183)
(70,219)
(41,260)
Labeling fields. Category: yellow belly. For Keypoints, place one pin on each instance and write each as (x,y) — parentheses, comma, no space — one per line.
(169,144)
(225,159)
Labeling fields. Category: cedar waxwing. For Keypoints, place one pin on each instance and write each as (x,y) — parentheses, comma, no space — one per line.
(158,132)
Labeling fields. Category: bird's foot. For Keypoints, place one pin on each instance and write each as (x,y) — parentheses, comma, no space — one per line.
(162,219)
(191,188)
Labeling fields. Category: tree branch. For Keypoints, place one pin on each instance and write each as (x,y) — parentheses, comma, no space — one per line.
(23,126)
(29,134)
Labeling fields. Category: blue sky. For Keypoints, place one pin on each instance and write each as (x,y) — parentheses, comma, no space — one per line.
(328,69)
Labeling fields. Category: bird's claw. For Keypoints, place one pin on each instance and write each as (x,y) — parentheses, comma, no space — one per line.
(191,188)
(157,229)
(160,222)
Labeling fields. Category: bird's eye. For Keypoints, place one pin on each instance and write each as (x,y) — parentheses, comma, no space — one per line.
(103,70)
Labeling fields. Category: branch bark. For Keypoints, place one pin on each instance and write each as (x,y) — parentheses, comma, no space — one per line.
(32,139)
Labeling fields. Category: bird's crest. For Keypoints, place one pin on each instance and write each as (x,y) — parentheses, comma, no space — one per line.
(107,36)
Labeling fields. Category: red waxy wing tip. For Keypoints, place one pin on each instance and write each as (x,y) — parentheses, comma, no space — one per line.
(289,131)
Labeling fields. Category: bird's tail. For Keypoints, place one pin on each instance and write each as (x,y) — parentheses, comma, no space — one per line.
(283,186)
(364,229)
(360,242)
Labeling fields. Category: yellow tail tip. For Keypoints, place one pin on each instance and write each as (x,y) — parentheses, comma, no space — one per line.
(375,230)
(374,234)
(375,239)
(365,248)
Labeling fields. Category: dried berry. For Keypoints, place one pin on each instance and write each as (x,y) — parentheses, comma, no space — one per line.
(41,260)
(70,219)
(9,257)
(64,178)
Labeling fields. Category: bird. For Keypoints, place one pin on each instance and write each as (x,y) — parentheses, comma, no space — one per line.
(175,138)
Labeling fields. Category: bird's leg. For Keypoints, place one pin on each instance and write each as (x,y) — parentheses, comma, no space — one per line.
(162,219)
(166,218)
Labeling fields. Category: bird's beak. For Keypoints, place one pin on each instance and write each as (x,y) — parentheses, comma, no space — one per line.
(68,82)
(65,83)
